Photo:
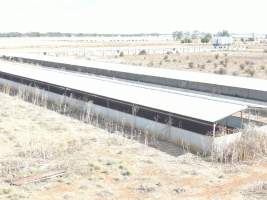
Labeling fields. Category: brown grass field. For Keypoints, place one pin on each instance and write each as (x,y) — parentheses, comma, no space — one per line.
(247,64)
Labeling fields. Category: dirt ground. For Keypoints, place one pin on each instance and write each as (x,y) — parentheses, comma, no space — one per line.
(99,165)
(248,64)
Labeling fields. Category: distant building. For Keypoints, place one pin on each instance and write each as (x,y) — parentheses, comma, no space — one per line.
(222,41)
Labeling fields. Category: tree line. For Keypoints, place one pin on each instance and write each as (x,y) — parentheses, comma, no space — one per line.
(59,34)
(187,37)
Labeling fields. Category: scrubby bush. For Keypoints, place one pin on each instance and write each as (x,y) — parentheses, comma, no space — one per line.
(121,54)
(169,53)
(150,64)
(251,71)
(221,71)
(206,38)
(166,57)
(203,66)
(186,40)
(226,61)
(142,52)
(242,66)
(235,73)
(191,65)
(249,62)
(217,56)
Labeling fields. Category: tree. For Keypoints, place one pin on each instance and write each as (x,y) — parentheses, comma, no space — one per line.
(33,34)
(224,33)
(186,40)
(177,35)
(206,38)
(195,34)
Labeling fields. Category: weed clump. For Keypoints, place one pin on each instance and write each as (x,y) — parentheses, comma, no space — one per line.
(242,66)
(142,52)
(191,65)
(251,71)
(221,71)
(250,145)
(121,54)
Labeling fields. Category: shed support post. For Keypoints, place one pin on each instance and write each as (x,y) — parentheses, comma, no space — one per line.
(214,129)
(242,119)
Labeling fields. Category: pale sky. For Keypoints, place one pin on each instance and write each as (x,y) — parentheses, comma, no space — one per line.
(133,16)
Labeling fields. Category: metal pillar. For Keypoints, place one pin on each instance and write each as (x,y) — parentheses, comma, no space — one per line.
(242,123)
(214,129)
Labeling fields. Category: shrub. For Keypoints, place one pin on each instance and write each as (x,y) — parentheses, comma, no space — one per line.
(191,65)
(226,62)
(251,71)
(203,66)
(121,54)
(186,40)
(150,64)
(142,52)
(217,56)
(265,51)
(242,66)
(249,62)
(235,73)
(206,38)
(166,57)
(209,61)
(221,71)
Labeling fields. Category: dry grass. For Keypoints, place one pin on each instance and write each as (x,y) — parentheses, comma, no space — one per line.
(246,64)
(101,165)
(250,146)
(256,191)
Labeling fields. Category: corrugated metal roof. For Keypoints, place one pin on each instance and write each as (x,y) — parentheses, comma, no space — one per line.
(226,80)
(197,107)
